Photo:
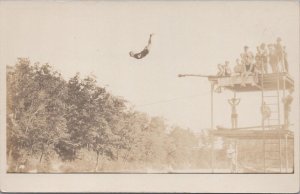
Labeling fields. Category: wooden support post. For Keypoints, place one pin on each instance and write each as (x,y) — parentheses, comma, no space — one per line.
(280,154)
(212,106)
(264,151)
(263,121)
(236,156)
(286,154)
(285,124)
(212,125)
(212,155)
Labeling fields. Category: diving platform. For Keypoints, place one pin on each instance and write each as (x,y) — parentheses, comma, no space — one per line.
(275,132)
(272,130)
(254,83)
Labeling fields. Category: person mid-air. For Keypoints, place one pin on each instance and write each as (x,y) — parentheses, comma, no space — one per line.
(144,52)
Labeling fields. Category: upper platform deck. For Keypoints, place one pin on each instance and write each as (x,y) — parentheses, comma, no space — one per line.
(254,83)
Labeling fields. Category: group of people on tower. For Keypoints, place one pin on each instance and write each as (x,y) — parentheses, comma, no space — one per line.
(273,55)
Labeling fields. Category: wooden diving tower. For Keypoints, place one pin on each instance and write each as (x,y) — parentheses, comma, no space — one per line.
(271,134)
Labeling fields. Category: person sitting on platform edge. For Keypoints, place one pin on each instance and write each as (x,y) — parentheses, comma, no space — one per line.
(221,71)
(227,69)
(239,68)
(247,58)
(224,70)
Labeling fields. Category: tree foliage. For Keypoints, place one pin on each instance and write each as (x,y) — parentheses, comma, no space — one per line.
(49,117)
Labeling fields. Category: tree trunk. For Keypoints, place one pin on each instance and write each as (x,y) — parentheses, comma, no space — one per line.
(97,162)
(17,166)
(41,157)
(31,150)
(9,157)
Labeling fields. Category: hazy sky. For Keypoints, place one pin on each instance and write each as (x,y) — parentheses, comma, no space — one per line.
(190,37)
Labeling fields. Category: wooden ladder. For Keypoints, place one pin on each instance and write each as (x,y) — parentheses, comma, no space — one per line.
(271,148)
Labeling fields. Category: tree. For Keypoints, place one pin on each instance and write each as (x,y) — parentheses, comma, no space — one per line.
(104,136)
(181,147)
(130,130)
(153,144)
(35,109)
(48,116)
(92,115)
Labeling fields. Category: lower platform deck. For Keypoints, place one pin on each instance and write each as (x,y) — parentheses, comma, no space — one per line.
(252,133)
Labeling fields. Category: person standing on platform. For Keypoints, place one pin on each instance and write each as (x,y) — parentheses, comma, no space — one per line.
(287,101)
(264,57)
(248,59)
(232,156)
(265,111)
(273,58)
(258,65)
(279,54)
(258,59)
(233,102)
(286,65)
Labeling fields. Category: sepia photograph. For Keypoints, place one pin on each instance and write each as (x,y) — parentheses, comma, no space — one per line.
(150,88)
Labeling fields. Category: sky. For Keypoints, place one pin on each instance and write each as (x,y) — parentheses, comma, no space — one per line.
(95,37)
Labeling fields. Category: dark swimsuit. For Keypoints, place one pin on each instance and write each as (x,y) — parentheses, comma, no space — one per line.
(233,116)
(248,67)
(142,54)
